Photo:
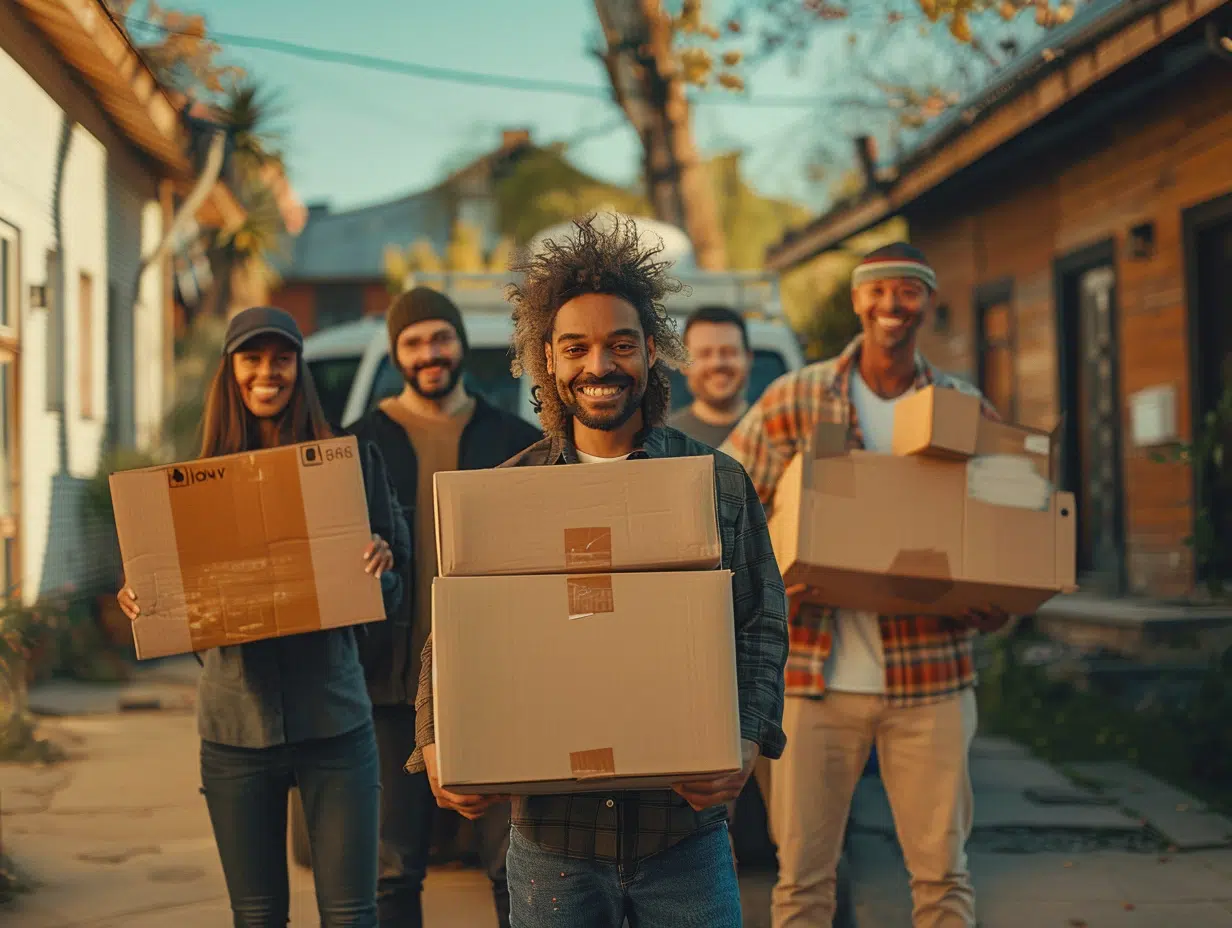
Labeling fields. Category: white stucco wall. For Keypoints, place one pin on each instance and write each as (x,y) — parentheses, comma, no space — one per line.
(107,218)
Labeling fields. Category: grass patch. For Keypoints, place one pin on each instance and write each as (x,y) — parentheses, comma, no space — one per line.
(1189,747)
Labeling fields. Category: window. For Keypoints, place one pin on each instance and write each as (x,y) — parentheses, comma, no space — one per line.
(995,342)
(85,344)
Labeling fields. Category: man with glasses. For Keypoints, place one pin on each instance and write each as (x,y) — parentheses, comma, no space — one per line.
(433,425)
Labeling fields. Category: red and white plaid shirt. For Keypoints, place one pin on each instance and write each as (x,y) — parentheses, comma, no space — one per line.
(926,657)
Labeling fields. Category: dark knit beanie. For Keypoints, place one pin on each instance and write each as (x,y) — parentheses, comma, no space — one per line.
(420,305)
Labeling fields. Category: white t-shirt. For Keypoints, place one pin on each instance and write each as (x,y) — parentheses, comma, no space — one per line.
(585,458)
(857,661)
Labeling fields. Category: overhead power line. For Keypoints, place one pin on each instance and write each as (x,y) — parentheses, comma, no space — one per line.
(455,75)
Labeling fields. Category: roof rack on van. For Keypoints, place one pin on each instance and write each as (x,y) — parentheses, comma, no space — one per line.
(755,294)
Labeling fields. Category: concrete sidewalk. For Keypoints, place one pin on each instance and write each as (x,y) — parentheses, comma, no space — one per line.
(118,836)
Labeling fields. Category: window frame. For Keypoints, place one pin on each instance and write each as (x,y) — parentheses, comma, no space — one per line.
(10,356)
(987,297)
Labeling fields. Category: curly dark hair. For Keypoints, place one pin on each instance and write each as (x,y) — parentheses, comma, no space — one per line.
(594,260)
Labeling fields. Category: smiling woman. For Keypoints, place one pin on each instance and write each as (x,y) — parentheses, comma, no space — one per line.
(261,396)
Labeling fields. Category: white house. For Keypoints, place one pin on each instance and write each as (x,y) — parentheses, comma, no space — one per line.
(92,155)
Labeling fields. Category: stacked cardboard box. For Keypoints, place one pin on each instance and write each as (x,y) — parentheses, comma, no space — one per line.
(964,514)
(582,635)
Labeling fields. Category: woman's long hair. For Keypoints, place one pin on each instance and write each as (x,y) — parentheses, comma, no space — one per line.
(229,428)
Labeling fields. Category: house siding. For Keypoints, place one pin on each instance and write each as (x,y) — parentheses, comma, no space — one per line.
(103,218)
(1172,153)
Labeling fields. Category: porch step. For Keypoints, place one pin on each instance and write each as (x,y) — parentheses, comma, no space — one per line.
(1147,631)
(1184,820)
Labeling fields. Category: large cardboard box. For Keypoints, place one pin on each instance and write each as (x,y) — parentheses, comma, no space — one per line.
(232,549)
(947,423)
(630,515)
(572,683)
(920,534)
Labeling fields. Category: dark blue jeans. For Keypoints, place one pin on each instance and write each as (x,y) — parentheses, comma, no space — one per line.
(690,885)
(247,791)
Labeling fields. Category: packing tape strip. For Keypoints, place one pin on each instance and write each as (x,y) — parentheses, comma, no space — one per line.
(600,762)
(589,596)
(588,548)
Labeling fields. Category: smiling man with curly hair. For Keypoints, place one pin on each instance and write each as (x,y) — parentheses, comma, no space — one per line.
(592,332)
(605,274)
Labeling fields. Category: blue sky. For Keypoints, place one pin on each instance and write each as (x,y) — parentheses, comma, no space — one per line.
(357,136)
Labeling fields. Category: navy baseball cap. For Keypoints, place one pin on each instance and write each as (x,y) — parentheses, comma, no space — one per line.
(261,320)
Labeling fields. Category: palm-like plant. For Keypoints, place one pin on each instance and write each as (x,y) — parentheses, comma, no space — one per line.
(241,254)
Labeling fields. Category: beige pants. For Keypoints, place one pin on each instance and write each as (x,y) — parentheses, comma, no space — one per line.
(922,754)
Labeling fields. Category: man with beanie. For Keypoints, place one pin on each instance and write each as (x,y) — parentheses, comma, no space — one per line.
(433,425)
(855,679)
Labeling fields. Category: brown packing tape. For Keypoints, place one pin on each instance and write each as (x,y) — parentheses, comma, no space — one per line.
(588,548)
(600,762)
(227,568)
(590,596)
(834,476)
(828,439)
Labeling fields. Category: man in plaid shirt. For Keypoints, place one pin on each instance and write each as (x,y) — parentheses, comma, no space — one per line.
(903,683)
(591,331)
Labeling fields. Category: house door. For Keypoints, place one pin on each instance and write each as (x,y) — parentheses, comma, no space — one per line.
(1209,247)
(10,458)
(1091,395)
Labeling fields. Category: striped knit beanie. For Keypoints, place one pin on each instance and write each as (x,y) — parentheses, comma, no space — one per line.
(896,260)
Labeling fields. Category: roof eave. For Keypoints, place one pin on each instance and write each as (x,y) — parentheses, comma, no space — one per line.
(1011,116)
(91,43)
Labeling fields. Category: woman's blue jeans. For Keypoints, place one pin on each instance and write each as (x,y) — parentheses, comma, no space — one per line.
(247,791)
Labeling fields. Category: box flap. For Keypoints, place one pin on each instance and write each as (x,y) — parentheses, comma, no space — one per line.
(938,421)
(1065,508)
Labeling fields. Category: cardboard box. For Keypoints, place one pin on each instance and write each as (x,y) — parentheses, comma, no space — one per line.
(947,423)
(625,516)
(570,683)
(922,535)
(226,550)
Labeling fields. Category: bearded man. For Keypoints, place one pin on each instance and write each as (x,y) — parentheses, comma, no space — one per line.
(591,330)
(433,425)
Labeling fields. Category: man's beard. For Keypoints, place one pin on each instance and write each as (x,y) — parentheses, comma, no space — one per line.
(411,375)
(608,421)
(730,399)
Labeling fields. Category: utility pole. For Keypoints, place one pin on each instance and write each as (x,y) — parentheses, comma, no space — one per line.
(649,88)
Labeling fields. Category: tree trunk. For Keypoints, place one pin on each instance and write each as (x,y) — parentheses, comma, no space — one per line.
(647,86)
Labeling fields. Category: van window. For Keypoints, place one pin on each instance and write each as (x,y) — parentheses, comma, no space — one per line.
(333,378)
(768,366)
(487,374)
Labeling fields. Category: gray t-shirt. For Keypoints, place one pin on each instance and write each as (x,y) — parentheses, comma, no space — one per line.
(713,435)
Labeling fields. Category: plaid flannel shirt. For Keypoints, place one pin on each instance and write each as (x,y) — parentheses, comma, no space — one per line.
(630,825)
(926,657)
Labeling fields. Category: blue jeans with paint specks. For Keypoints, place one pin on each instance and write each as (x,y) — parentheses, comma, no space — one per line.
(690,885)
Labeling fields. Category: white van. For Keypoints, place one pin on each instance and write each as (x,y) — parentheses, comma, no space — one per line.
(352,370)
